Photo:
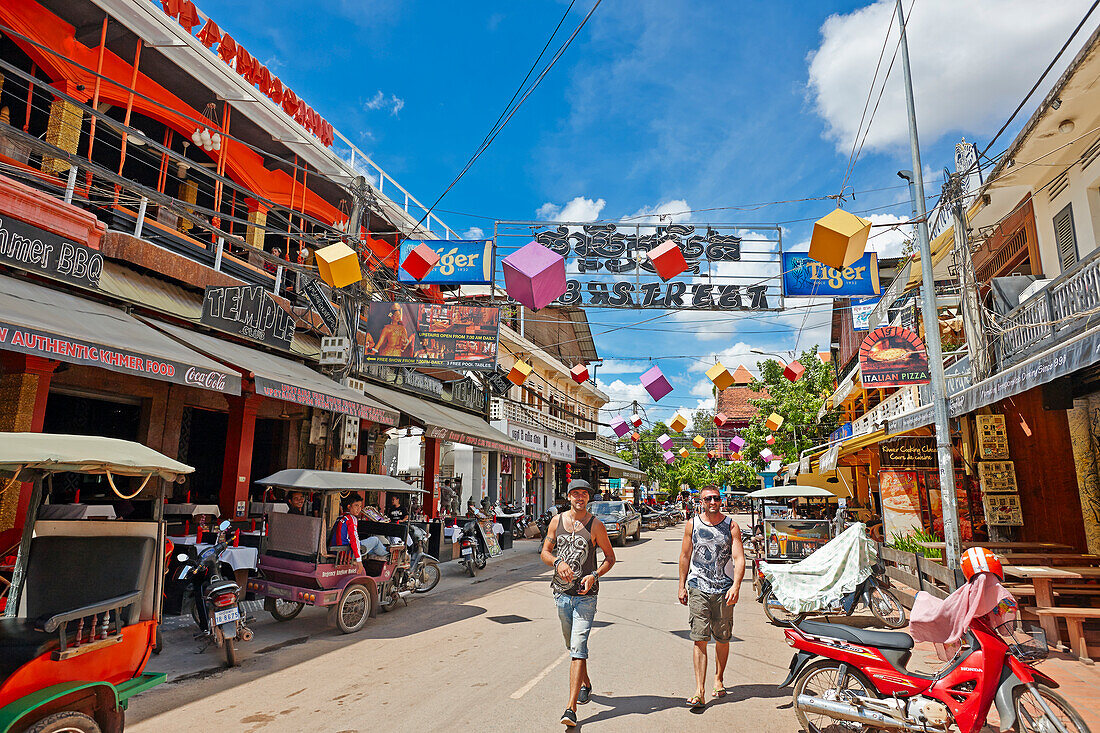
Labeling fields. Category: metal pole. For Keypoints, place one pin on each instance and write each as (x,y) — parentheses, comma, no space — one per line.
(931,323)
(973,326)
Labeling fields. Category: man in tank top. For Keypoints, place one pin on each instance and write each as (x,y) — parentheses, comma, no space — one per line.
(570,547)
(712,543)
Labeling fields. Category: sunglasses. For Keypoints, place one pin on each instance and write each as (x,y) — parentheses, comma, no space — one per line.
(711,498)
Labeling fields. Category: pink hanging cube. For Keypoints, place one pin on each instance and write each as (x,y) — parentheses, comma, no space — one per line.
(794,371)
(655,383)
(636,420)
(619,426)
(579,373)
(420,261)
(770,440)
(668,260)
(665,442)
(669,456)
(720,419)
(534,275)
(767,455)
(736,444)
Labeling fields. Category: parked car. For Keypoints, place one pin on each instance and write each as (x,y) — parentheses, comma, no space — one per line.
(620,518)
(650,518)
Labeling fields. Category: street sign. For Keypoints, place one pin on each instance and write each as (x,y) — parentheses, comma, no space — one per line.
(321,305)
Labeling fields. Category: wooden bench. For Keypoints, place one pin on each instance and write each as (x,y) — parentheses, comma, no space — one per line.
(1075,623)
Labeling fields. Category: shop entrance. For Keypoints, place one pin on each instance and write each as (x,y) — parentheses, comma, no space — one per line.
(269,447)
(202,445)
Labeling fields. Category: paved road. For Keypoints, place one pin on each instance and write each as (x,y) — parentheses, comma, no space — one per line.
(483,655)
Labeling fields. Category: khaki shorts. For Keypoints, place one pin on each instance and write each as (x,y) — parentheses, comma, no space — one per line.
(709,616)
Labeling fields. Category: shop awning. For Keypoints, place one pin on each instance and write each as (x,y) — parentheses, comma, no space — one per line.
(1075,354)
(54,324)
(283,379)
(614,463)
(447,423)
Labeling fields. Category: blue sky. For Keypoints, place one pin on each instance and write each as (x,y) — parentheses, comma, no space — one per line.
(659,106)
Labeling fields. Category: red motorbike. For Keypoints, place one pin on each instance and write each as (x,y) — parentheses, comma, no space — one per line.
(852,679)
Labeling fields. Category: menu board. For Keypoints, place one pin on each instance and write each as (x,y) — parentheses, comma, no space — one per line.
(900,503)
(992,437)
(997,477)
(794,539)
(486,526)
(1003,510)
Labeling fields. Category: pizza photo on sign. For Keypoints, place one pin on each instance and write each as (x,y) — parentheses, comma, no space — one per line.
(892,356)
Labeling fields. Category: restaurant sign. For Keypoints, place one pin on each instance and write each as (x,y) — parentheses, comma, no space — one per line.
(322,306)
(44,253)
(477,441)
(892,356)
(248,311)
(312,398)
(807,278)
(557,447)
(910,452)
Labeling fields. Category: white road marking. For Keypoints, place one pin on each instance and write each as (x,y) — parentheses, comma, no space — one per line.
(643,590)
(542,675)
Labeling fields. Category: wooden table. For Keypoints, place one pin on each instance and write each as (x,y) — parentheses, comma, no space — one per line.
(1043,578)
(1008,546)
(1049,558)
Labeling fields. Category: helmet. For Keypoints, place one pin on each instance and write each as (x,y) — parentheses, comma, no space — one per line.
(981,560)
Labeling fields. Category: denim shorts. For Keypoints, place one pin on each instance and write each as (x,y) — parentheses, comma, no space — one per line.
(576,614)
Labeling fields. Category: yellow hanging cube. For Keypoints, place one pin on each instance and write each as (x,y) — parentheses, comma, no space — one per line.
(683,452)
(338,265)
(839,238)
(698,441)
(775,420)
(678,423)
(520,371)
(720,376)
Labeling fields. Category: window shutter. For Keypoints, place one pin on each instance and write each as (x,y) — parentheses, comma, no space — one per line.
(1065,238)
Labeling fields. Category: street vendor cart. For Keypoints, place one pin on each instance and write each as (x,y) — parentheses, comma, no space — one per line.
(82,613)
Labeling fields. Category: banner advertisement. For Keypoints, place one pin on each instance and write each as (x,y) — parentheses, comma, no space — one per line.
(44,253)
(429,335)
(461,261)
(900,503)
(312,398)
(891,356)
(918,453)
(861,313)
(807,278)
(248,311)
(795,539)
(969,511)
(729,267)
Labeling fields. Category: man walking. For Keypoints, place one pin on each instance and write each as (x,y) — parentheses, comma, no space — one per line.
(712,542)
(570,547)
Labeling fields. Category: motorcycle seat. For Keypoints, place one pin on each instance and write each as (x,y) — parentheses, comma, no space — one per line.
(866,637)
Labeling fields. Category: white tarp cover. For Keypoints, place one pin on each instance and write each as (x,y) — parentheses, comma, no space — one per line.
(830,573)
(790,492)
(84,454)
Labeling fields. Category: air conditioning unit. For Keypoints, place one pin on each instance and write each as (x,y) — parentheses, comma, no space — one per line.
(349,447)
(335,350)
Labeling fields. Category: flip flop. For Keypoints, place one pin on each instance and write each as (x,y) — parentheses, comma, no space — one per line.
(696,703)
(719,691)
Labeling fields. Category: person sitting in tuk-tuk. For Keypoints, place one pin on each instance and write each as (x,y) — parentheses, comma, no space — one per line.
(346,530)
(396,513)
(296,503)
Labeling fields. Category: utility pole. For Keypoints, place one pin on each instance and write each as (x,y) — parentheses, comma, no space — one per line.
(973,326)
(931,322)
(634,449)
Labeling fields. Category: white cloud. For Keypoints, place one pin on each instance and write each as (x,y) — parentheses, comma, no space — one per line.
(668,212)
(889,242)
(393,103)
(619,392)
(972,63)
(703,388)
(739,353)
(474,233)
(578,209)
(617,366)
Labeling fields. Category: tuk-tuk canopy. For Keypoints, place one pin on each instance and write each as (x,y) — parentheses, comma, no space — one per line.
(790,492)
(307,479)
(52,453)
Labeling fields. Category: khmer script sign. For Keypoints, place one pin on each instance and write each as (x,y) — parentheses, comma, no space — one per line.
(729,267)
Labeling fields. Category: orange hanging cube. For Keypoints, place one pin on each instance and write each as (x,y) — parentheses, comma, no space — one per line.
(635,436)
(678,423)
(420,261)
(520,371)
(668,260)
(683,452)
(698,441)
(794,371)
(774,421)
(839,239)
(720,376)
(770,440)
(338,265)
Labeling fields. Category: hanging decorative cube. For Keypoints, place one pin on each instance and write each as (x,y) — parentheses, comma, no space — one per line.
(520,371)
(794,371)
(579,373)
(635,436)
(720,419)
(767,455)
(735,457)
(684,453)
(667,259)
(669,456)
(420,260)
(619,427)
(655,383)
(338,265)
(774,421)
(698,441)
(720,376)
(534,275)
(636,420)
(839,239)
(665,442)
(736,444)
(770,440)
(678,422)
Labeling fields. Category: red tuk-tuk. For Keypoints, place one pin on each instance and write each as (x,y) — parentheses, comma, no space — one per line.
(298,567)
(82,612)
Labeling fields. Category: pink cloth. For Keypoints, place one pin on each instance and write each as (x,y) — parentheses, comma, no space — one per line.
(945,622)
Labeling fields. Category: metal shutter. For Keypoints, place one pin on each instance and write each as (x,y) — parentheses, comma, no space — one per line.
(1065,238)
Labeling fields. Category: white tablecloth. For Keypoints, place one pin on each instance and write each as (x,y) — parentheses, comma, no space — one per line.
(77,511)
(238,558)
(267,507)
(192,510)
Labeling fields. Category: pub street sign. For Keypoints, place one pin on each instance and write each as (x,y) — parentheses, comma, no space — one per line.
(248,311)
(729,267)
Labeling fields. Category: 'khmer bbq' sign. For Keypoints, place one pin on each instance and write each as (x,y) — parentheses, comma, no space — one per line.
(249,311)
(45,253)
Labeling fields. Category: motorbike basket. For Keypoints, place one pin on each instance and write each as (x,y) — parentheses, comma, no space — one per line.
(1028,645)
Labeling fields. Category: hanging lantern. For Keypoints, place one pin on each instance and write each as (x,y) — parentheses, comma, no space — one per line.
(568,473)
(735,457)
(668,259)
(665,442)
(794,371)
(419,261)
(736,444)
(655,383)
(619,427)
(720,376)
(770,440)
(839,239)
(520,371)
(720,419)
(669,456)
(683,452)
(579,373)
(636,420)
(774,421)
(698,441)
(767,455)
(338,265)
(534,276)
(678,423)
(635,437)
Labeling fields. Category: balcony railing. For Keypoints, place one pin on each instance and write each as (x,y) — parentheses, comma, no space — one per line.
(1065,307)
(501,409)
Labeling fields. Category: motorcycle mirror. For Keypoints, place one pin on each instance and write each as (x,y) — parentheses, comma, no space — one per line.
(224,525)
(182,557)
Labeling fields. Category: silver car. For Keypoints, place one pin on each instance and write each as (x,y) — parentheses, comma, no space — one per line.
(620,518)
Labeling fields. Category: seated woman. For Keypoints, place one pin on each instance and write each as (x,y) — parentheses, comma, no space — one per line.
(346,530)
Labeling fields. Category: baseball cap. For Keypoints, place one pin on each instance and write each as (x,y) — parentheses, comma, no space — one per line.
(579,483)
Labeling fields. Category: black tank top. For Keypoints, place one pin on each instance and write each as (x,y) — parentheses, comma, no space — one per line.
(576,548)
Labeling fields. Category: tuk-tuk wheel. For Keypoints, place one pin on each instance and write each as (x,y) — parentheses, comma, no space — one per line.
(65,722)
(282,610)
(353,609)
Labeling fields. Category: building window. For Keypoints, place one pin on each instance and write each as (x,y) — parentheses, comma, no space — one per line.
(1066,238)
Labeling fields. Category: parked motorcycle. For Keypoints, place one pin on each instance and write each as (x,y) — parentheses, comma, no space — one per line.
(852,679)
(474,553)
(416,572)
(216,607)
(874,593)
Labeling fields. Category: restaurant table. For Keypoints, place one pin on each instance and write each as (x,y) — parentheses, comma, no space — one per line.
(77,511)
(1006,546)
(1051,558)
(192,510)
(241,559)
(1043,577)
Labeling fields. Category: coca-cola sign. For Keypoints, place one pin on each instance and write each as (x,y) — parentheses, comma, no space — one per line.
(205,379)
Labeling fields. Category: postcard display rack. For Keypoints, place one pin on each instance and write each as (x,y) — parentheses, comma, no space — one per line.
(997,474)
